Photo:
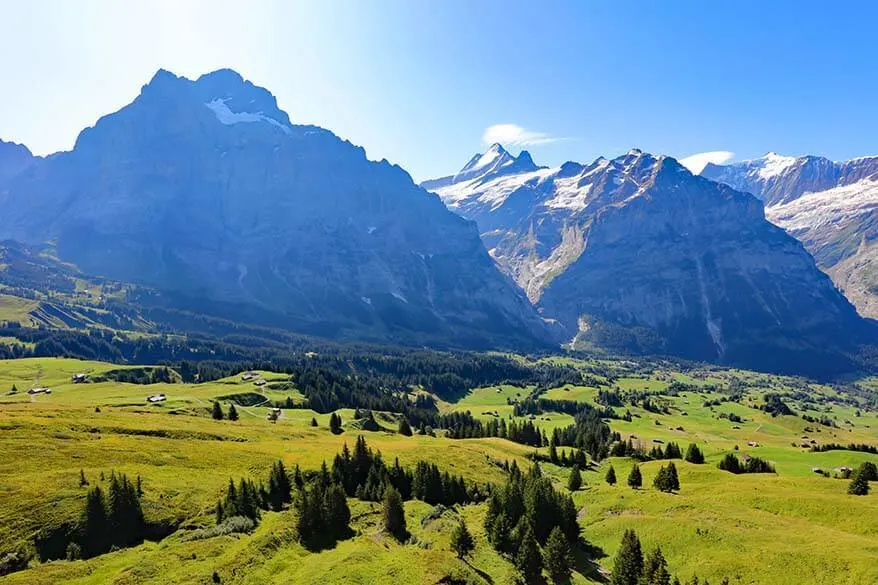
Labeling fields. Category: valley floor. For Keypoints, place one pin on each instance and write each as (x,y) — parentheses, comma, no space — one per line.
(795,526)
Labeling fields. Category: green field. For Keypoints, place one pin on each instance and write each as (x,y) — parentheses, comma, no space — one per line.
(793,527)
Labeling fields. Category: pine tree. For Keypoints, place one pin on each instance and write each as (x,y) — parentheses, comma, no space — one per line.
(673,479)
(233,412)
(655,569)
(394,514)
(527,559)
(313,422)
(139,487)
(461,540)
(553,450)
(95,524)
(635,479)
(13,390)
(859,485)
(628,565)
(694,454)
(557,556)
(869,470)
(336,512)
(335,424)
(82,481)
(611,476)
(404,428)
(575,480)
(217,412)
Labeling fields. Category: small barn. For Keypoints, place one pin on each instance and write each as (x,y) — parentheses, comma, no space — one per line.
(156,398)
(40,390)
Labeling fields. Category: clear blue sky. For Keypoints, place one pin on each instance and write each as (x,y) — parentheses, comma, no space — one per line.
(418,82)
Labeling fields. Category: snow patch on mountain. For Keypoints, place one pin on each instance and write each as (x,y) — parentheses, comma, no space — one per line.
(831,208)
(229,118)
(773,164)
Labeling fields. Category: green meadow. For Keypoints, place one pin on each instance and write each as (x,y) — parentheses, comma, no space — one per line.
(795,526)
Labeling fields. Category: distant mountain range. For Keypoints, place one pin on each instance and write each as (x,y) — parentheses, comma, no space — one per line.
(639,252)
(206,188)
(207,194)
(832,207)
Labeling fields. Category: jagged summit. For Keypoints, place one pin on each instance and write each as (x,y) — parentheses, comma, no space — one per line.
(203,188)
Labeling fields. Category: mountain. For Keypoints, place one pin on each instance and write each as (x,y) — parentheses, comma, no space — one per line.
(14,158)
(636,252)
(205,188)
(829,206)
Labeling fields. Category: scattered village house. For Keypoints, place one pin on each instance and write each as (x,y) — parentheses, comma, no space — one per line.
(40,390)
(156,398)
(79,378)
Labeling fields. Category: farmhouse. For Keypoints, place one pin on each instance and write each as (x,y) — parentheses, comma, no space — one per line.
(39,391)
(248,376)
(273,414)
(260,382)
(156,398)
(79,378)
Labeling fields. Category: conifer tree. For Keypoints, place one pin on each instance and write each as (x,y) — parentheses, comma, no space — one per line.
(82,481)
(217,412)
(869,470)
(673,479)
(394,514)
(13,390)
(611,476)
(859,485)
(628,564)
(527,559)
(557,556)
(404,428)
(694,454)
(336,512)
(655,569)
(233,412)
(461,540)
(575,480)
(635,479)
(313,422)
(95,525)
(335,423)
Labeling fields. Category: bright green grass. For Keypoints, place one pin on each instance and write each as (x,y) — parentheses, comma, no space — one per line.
(793,527)
(16,309)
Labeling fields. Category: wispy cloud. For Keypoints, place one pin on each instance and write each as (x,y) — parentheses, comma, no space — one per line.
(515,135)
(697,162)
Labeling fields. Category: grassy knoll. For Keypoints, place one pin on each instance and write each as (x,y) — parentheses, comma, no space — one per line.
(792,527)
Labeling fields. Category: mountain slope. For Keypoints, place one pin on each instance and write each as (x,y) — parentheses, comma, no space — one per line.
(205,188)
(829,206)
(637,251)
(14,158)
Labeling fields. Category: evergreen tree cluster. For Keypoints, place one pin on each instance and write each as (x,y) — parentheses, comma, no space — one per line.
(111,519)
(862,447)
(523,514)
(636,451)
(323,516)
(630,567)
(732,464)
(244,499)
(364,474)
(335,424)
(865,473)
(666,480)
(694,454)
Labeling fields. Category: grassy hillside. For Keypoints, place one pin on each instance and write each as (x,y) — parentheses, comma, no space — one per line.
(794,526)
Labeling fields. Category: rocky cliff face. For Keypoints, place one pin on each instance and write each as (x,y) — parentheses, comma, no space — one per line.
(206,188)
(829,206)
(638,251)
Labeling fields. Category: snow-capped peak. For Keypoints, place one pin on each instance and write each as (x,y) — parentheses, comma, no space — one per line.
(226,116)
(773,164)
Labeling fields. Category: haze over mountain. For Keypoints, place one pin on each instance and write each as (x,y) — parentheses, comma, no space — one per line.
(829,206)
(684,264)
(207,189)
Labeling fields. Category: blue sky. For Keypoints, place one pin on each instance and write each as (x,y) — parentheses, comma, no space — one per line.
(420,82)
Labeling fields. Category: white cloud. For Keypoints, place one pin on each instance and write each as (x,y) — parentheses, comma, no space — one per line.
(515,135)
(697,162)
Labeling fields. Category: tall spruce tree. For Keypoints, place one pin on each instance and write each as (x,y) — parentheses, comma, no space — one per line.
(628,564)
(611,476)
(635,478)
(655,569)
(859,485)
(557,556)
(335,423)
(394,514)
(217,412)
(95,526)
(404,428)
(528,560)
(233,412)
(461,540)
(694,454)
(574,482)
